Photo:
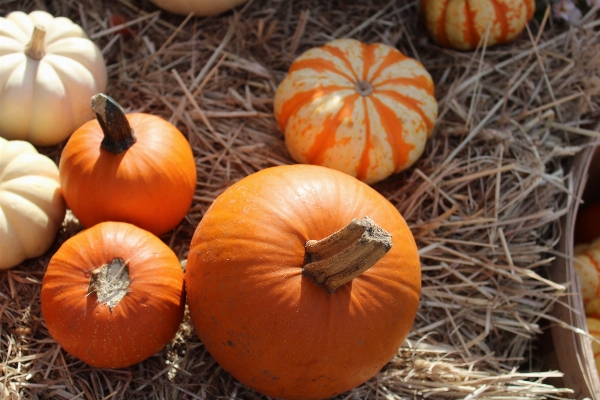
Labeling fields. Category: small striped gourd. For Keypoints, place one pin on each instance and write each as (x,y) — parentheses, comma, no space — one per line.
(460,24)
(365,110)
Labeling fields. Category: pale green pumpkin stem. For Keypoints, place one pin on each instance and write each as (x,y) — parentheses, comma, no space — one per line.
(110,282)
(118,135)
(347,253)
(35,48)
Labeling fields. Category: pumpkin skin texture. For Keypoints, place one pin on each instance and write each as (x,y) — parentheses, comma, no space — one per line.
(32,208)
(44,92)
(366,110)
(151,184)
(460,24)
(197,7)
(142,322)
(273,328)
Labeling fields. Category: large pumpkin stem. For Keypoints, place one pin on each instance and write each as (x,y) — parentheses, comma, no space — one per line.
(110,282)
(35,47)
(347,253)
(118,135)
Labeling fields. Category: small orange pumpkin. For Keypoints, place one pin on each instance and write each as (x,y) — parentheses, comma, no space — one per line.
(366,110)
(135,168)
(460,24)
(113,295)
(293,291)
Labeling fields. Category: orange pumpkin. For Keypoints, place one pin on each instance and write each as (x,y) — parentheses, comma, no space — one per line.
(113,295)
(460,24)
(135,168)
(288,309)
(366,110)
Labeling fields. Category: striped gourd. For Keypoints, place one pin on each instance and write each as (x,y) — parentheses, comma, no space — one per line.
(366,110)
(460,24)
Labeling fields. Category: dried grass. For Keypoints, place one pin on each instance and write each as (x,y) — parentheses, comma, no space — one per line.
(483,202)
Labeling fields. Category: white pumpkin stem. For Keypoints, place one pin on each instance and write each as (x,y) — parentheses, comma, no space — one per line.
(35,48)
(347,253)
(118,135)
(110,282)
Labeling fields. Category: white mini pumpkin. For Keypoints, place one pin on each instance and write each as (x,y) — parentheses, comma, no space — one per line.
(31,203)
(197,7)
(49,70)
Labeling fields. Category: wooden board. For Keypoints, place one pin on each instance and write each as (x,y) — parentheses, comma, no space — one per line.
(573,349)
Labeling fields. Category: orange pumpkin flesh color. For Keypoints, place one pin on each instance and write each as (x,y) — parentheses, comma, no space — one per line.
(366,110)
(253,299)
(135,168)
(113,295)
(460,24)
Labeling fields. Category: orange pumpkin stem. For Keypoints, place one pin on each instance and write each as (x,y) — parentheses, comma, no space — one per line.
(110,282)
(35,48)
(118,135)
(347,253)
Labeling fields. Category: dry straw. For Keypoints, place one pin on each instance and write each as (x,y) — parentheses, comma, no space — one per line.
(484,201)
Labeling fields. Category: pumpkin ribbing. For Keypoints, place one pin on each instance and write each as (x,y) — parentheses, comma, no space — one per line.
(363,109)
(48,67)
(461,24)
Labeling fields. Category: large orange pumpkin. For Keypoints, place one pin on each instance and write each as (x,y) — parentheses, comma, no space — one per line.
(460,24)
(366,110)
(113,295)
(135,168)
(291,317)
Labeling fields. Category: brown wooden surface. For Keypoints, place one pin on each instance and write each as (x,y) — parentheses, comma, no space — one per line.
(573,349)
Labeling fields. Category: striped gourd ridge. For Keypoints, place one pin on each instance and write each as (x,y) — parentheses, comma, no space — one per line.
(461,24)
(363,109)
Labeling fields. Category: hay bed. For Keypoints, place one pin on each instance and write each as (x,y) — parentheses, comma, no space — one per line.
(483,202)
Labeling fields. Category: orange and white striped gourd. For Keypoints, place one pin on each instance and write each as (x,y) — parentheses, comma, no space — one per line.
(363,109)
(460,24)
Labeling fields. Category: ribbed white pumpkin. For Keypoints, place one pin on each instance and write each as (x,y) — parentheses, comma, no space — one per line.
(363,109)
(31,203)
(198,7)
(45,87)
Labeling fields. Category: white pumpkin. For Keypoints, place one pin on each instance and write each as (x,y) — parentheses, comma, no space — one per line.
(49,70)
(31,204)
(197,7)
